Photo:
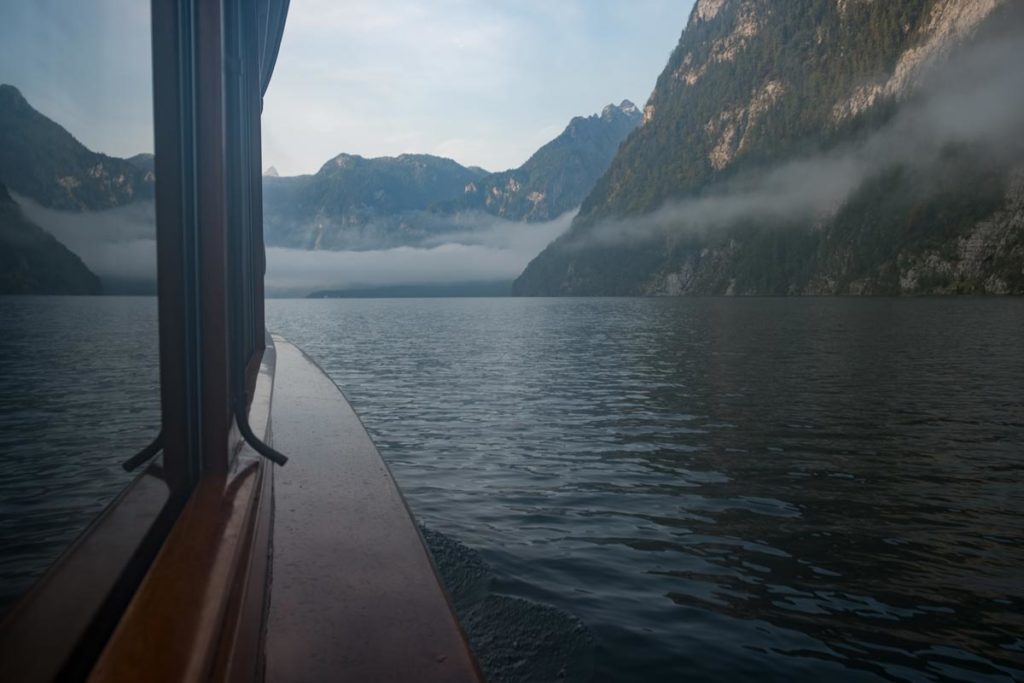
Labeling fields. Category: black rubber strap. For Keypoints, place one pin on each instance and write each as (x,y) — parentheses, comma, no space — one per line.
(242,418)
(145,454)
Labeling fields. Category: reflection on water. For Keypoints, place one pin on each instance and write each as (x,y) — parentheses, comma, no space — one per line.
(79,393)
(721,489)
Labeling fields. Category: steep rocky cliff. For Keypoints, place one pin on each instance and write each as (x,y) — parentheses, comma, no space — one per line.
(815,147)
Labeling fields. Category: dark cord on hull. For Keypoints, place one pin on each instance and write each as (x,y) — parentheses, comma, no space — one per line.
(244,429)
(145,454)
(263,449)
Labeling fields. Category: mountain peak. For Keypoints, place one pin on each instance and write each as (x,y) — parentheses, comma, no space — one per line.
(11,98)
(9,91)
(271,172)
(145,162)
(627,108)
(342,161)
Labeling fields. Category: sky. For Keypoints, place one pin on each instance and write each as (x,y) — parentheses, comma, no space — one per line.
(484,83)
(86,64)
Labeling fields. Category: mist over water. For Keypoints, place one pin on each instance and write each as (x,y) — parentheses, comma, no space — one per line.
(119,246)
(115,244)
(976,100)
(475,249)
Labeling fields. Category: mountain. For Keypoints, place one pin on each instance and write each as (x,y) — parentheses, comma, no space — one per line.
(41,160)
(358,203)
(558,176)
(33,262)
(145,163)
(355,203)
(815,147)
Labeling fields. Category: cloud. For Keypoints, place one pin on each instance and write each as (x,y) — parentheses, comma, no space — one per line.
(483,249)
(119,246)
(977,101)
(115,244)
(484,83)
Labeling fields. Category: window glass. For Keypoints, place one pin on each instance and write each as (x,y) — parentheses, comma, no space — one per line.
(79,387)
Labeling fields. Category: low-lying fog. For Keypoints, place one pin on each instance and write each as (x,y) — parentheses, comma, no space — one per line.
(119,246)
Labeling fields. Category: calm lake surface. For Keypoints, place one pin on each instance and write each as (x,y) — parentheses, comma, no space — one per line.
(721,490)
(79,394)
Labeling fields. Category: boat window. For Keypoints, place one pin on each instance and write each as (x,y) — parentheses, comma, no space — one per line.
(79,358)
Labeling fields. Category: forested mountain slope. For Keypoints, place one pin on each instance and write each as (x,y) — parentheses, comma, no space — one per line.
(33,262)
(815,147)
(41,160)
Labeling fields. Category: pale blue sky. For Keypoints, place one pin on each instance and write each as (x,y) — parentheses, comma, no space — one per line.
(485,82)
(86,64)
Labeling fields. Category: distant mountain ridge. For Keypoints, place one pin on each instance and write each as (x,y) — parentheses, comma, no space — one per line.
(698,200)
(358,203)
(351,203)
(41,160)
(559,175)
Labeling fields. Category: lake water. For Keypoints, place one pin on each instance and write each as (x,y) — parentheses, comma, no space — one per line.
(79,394)
(720,489)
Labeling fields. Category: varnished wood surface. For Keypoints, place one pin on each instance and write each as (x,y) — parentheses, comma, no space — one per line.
(173,625)
(56,630)
(354,596)
(197,616)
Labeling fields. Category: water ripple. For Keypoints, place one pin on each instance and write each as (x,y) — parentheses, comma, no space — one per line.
(767,490)
(78,395)
(762,490)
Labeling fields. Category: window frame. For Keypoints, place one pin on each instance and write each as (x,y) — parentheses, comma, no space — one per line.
(211,63)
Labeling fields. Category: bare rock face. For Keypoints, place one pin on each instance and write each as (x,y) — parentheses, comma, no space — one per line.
(950,24)
(760,87)
(744,25)
(731,126)
(997,239)
(706,10)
